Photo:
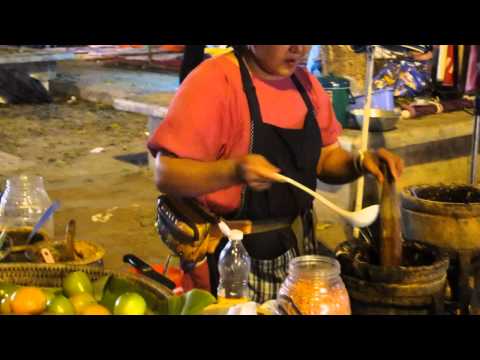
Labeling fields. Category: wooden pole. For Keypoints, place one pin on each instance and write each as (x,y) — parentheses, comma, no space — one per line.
(475,143)
(365,128)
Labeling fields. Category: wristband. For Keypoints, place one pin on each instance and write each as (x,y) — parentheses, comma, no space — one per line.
(358,160)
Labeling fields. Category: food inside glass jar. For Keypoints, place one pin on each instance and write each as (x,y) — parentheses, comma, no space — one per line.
(18,236)
(318,298)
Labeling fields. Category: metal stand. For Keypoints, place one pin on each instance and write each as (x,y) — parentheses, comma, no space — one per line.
(475,143)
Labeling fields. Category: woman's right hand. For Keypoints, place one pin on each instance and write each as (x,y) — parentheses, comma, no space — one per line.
(257,172)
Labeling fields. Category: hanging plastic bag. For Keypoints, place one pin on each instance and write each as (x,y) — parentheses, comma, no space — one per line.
(407,78)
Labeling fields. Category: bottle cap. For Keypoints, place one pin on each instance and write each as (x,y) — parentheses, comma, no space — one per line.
(236,235)
(224,228)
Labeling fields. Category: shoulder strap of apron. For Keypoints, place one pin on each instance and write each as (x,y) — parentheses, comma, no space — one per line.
(249,90)
(303,93)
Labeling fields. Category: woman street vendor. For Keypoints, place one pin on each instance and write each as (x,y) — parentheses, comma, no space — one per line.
(235,122)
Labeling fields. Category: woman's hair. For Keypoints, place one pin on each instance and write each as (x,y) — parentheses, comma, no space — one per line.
(241,49)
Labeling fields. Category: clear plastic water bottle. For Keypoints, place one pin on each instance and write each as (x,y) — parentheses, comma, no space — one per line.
(234,267)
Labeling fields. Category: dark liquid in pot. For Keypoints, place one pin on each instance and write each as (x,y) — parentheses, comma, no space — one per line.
(449,194)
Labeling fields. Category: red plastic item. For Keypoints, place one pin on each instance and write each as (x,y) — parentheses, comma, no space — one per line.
(174,273)
(173,48)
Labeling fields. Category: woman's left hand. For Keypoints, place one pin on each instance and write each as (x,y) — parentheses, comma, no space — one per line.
(371,163)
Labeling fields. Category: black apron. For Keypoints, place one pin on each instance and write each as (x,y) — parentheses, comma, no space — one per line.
(296,153)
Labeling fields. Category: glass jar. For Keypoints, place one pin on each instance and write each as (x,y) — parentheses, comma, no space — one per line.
(22,204)
(314,287)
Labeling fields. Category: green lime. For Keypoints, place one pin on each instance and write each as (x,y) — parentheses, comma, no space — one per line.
(196,300)
(77,283)
(130,304)
(176,304)
(60,305)
(99,287)
(150,312)
(51,293)
(6,290)
(80,301)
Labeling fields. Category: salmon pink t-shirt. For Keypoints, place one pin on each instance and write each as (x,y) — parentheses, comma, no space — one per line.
(209,118)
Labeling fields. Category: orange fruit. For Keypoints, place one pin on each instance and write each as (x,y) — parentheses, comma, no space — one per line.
(28,301)
(95,309)
(80,301)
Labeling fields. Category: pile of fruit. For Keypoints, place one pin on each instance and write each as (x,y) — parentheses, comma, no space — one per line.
(78,296)
(106,296)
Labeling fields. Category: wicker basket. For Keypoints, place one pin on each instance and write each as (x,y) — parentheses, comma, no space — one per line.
(51,275)
(93,254)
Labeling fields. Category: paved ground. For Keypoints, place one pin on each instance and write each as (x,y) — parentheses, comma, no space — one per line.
(54,141)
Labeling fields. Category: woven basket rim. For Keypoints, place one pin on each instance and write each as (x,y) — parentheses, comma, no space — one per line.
(43,270)
(99,253)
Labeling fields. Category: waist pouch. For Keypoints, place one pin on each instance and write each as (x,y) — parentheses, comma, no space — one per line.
(184,226)
(187,229)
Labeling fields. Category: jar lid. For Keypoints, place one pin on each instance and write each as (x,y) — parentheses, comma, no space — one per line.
(316,265)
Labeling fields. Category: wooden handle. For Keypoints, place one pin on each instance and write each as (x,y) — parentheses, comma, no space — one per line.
(69,238)
(390,222)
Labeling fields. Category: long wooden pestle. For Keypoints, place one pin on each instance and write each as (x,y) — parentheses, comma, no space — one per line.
(390,241)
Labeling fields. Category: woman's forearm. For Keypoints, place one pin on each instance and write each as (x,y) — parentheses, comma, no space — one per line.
(190,178)
(338,167)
